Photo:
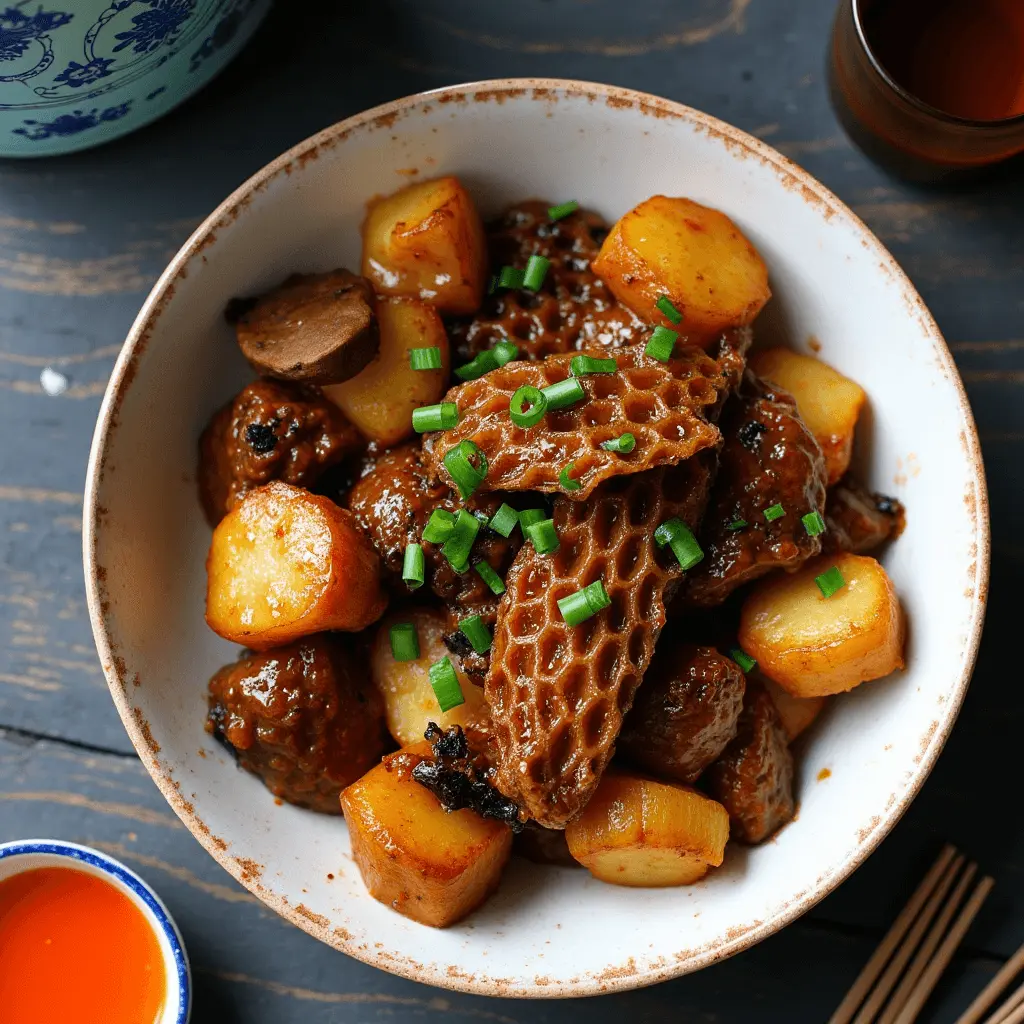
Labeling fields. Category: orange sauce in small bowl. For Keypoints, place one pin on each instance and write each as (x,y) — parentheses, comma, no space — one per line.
(75,948)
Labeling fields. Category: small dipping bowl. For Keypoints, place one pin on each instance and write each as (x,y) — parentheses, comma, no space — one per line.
(29,854)
(893,125)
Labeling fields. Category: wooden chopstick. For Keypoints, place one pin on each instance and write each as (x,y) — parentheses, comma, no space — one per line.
(940,961)
(1016,1012)
(1015,999)
(928,947)
(990,992)
(874,967)
(905,951)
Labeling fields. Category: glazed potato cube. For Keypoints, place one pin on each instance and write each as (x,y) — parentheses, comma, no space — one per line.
(795,713)
(380,399)
(286,563)
(695,255)
(427,242)
(812,645)
(429,864)
(638,832)
(409,701)
(828,402)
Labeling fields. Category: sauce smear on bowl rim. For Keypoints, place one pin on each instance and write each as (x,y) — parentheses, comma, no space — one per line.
(74,947)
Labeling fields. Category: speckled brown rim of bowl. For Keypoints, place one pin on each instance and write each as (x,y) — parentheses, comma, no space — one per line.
(540,90)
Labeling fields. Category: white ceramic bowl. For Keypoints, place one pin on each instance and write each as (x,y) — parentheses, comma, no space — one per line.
(28,854)
(550,932)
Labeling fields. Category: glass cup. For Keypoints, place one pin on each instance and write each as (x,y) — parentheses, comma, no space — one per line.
(897,128)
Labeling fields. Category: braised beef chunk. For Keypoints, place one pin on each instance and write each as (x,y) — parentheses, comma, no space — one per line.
(271,431)
(461,779)
(685,713)
(393,502)
(768,459)
(573,309)
(753,779)
(300,717)
(317,328)
(859,520)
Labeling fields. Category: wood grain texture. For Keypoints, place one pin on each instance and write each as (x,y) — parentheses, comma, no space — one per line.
(82,239)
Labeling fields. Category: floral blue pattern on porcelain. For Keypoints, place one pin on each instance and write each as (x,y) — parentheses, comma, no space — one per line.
(75,73)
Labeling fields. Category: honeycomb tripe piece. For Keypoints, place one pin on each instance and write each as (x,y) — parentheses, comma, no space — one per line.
(558,693)
(663,405)
(572,309)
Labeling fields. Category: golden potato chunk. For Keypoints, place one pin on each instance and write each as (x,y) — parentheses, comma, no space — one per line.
(828,402)
(409,701)
(380,399)
(429,864)
(796,714)
(427,242)
(286,563)
(812,645)
(638,832)
(694,255)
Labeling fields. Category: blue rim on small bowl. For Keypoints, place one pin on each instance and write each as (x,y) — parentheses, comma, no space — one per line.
(136,886)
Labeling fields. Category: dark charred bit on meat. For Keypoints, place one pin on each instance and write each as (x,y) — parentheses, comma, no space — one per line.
(261,437)
(473,664)
(750,434)
(459,780)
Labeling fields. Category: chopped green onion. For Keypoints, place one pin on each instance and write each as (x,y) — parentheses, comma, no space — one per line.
(830,581)
(413,567)
(736,524)
(445,684)
(661,343)
(536,270)
(567,481)
(579,607)
(435,417)
(457,547)
(439,526)
(562,210)
(580,366)
(505,520)
(624,443)
(814,523)
(481,517)
(405,644)
(744,660)
(490,577)
(543,536)
(425,358)
(668,310)
(510,277)
(459,463)
(529,516)
(678,536)
(505,351)
(774,512)
(482,363)
(474,630)
(528,406)
(563,394)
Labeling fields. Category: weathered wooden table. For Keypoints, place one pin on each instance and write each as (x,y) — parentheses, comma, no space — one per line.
(81,241)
